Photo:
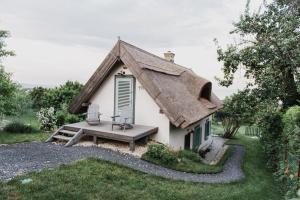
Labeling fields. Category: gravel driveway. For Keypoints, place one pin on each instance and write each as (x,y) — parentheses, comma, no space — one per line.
(17,159)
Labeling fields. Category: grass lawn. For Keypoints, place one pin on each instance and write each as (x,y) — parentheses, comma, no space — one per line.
(11,138)
(27,118)
(194,166)
(96,179)
(217,129)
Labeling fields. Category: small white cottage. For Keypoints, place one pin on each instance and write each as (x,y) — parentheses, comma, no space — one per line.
(161,94)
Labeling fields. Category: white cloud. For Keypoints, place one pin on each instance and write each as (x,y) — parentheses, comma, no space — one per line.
(60,40)
(96,23)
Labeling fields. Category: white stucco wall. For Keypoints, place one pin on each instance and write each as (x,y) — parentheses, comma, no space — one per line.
(146,110)
(147,113)
(177,136)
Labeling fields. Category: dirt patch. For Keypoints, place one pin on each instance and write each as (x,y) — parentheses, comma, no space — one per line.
(122,147)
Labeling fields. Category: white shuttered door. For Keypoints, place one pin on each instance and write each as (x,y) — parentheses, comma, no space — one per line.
(124,94)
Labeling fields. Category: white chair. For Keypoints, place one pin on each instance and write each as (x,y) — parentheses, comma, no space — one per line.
(93,115)
(122,120)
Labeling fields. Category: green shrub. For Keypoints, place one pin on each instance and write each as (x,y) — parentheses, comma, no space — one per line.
(60,118)
(270,124)
(162,153)
(291,120)
(156,151)
(18,127)
(169,158)
(189,155)
(72,118)
(288,168)
(47,118)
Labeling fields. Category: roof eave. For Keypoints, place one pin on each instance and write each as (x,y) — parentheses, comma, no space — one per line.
(186,124)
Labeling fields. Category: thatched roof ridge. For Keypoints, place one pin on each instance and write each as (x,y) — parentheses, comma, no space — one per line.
(153,62)
(184,97)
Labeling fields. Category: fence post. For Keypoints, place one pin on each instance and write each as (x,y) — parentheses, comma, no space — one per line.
(285,161)
(298,174)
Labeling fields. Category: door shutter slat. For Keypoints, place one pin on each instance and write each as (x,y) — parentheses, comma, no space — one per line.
(124,94)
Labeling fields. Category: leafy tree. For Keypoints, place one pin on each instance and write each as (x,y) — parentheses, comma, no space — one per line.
(238,109)
(268,51)
(3,51)
(56,97)
(7,93)
(63,94)
(7,87)
(294,4)
(38,96)
(21,102)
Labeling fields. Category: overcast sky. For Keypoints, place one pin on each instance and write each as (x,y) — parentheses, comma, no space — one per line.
(61,40)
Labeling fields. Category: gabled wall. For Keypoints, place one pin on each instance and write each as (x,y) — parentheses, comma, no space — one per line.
(177,136)
(146,110)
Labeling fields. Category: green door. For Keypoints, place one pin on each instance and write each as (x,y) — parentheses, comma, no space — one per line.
(197,137)
(207,129)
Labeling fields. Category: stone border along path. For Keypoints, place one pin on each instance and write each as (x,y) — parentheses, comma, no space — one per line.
(20,158)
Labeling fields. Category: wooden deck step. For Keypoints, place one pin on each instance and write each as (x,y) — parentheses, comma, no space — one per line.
(61,137)
(71,136)
(70,128)
(68,132)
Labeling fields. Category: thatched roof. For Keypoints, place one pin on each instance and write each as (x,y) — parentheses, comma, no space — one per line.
(184,97)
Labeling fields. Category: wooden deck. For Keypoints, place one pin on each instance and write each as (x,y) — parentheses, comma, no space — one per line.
(103,130)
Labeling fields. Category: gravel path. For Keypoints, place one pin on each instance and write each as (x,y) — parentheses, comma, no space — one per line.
(17,159)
